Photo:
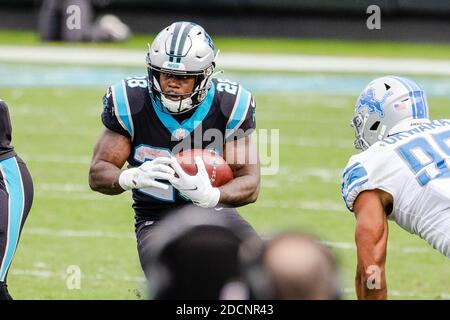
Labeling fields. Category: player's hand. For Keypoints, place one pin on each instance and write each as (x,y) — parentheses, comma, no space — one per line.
(146,174)
(198,188)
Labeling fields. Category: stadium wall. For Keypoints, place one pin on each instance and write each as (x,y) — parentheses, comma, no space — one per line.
(401,20)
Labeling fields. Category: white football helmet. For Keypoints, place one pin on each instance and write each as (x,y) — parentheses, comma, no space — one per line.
(386,106)
(182,49)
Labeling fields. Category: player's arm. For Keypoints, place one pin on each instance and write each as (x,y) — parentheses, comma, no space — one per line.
(110,153)
(243,159)
(371,241)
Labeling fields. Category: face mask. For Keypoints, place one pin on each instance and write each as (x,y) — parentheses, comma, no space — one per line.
(176,106)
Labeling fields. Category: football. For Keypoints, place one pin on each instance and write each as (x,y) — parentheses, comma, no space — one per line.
(218,170)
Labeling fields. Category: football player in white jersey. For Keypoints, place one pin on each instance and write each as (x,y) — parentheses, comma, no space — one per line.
(403,174)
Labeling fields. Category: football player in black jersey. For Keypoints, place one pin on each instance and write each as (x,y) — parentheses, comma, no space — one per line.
(16,197)
(178,105)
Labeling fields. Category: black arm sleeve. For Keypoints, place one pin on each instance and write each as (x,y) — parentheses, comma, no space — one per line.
(6,149)
(249,123)
(109,117)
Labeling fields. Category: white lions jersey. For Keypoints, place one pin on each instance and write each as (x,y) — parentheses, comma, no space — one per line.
(414,167)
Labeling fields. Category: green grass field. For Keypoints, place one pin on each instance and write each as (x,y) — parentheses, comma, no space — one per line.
(54,130)
(262,45)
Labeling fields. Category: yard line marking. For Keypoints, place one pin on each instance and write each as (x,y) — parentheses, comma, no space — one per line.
(314,142)
(63,187)
(299,204)
(81,192)
(63,275)
(397,293)
(141,279)
(31,272)
(352,246)
(57,158)
(94,196)
(327,174)
(65,233)
(229,60)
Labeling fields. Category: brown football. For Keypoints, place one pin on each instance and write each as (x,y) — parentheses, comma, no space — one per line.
(218,170)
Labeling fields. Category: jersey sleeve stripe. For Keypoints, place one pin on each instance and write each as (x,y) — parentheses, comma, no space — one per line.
(353,186)
(349,192)
(356,174)
(350,168)
(122,108)
(239,112)
(353,177)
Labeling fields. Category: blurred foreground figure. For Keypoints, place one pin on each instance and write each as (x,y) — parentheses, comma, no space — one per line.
(193,255)
(290,266)
(73,21)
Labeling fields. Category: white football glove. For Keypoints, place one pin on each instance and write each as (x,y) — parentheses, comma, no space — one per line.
(145,175)
(198,188)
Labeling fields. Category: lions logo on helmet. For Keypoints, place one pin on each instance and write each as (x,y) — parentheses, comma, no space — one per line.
(388,105)
(368,99)
(182,49)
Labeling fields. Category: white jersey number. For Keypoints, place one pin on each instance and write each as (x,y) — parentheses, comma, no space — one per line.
(426,162)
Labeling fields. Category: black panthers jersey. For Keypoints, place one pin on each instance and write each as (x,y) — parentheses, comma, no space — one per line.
(227,113)
(6,149)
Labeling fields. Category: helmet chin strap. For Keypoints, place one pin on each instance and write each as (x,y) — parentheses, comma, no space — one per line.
(216,73)
(178,107)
